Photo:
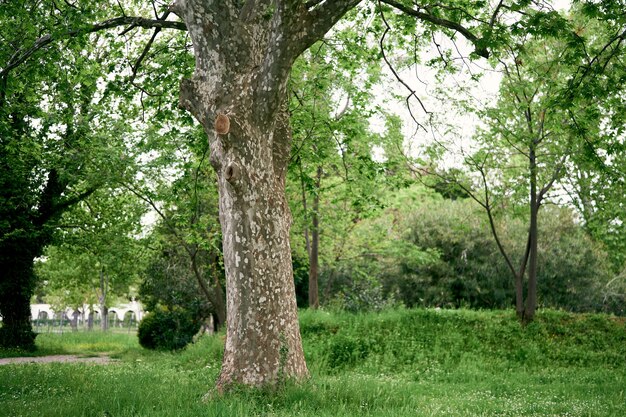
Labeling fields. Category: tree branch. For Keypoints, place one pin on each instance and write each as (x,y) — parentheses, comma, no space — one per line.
(555,176)
(321,18)
(146,49)
(21,56)
(492,223)
(75,200)
(438,21)
(492,21)
(412,92)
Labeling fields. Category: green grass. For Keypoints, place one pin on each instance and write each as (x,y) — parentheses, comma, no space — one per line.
(396,363)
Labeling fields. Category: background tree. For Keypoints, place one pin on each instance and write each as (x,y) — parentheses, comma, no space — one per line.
(186,246)
(57,145)
(533,137)
(596,183)
(99,253)
(331,112)
(467,269)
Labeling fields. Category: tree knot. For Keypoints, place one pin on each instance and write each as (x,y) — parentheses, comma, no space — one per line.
(232,172)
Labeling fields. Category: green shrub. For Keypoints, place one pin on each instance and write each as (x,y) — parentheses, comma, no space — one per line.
(167,330)
(471,272)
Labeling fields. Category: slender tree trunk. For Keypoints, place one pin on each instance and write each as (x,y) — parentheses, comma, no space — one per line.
(220,304)
(531,296)
(519,296)
(74,321)
(519,281)
(214,294)
(315,240)
(104,319)
(104,310)
(307,240)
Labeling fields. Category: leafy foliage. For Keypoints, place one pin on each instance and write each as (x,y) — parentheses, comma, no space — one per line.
(98,256)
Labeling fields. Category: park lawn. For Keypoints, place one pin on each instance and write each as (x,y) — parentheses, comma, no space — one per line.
(395,363)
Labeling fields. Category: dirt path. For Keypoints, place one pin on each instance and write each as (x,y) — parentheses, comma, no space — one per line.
(57,358)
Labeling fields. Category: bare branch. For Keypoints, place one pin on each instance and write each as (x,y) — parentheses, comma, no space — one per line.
(555,175)
(321,18)
(412,92)
(146,49)
(495,13)
(586,70)
(492,224)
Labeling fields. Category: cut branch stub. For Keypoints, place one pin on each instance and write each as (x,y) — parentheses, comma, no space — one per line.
(222,124)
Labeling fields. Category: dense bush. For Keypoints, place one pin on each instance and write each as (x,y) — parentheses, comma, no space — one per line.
(167,330)
(471,271)
(442,254)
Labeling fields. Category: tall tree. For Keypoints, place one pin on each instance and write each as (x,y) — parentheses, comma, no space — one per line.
(244,54)
(331,107)
(536,138)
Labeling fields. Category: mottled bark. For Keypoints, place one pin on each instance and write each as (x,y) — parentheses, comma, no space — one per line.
(244,52)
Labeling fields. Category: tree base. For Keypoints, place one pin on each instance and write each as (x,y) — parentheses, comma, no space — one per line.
(17,338)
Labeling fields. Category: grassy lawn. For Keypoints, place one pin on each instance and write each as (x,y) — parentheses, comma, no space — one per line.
(397,363)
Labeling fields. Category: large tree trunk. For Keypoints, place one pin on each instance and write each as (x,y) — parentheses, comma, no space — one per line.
(17,283)
(263,339)
(244,53)
(16,331)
